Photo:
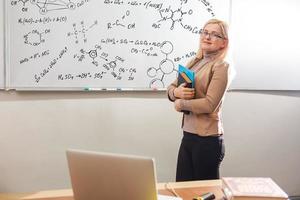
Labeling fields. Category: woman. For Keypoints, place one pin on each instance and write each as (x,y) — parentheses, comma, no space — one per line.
(202,150)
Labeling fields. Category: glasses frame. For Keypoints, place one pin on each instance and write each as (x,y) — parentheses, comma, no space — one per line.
(213,35)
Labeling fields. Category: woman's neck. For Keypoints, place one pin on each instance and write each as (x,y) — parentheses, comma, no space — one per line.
(210,55)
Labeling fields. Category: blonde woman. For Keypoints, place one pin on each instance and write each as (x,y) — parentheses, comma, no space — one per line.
(202,149)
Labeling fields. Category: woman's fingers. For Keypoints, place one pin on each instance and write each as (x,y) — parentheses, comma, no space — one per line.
(189,94)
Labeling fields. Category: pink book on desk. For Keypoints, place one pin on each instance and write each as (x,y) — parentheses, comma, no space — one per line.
(252,188)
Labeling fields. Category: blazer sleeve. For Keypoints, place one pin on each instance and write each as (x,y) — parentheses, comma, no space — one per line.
(170,91)
(215,92)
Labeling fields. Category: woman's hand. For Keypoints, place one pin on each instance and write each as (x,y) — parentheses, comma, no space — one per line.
(182,92)
(177,105)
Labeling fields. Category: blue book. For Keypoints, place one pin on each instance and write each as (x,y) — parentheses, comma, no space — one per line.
(187,76)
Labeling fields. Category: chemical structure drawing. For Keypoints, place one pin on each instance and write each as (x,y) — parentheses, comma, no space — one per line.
(175,16)
(209,7)
(111,66)
(166,67)
(46,5)
(23,1)
(35,37)
(93,54)
(121,22)
(83,30)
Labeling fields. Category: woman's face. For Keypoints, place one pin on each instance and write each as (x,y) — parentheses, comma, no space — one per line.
(211,39)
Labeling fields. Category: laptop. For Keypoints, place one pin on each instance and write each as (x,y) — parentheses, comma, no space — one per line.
(107,176)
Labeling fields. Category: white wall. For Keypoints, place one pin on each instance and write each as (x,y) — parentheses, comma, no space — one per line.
(261,134)
(261,46)
(1,45)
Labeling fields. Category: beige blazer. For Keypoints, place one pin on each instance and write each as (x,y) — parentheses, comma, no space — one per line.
(211,83)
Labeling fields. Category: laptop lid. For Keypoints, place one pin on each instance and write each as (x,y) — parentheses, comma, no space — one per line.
(104,176)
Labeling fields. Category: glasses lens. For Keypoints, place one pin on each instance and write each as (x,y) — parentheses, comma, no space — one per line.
(213,36)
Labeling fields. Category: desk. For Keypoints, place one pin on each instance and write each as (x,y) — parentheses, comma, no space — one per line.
(186,190)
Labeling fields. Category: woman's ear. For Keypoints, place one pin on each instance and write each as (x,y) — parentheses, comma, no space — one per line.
(224,44)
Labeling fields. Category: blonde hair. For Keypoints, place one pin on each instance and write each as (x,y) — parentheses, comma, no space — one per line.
(222,53)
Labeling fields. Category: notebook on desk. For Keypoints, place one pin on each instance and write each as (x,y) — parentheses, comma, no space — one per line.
(98,175)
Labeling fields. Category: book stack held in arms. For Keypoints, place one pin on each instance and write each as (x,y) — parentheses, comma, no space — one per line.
(187,76)
(252,188)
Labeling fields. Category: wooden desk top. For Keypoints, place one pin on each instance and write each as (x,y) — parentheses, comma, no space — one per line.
(186,190)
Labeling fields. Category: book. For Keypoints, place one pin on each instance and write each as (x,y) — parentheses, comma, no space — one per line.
(250,188)
(187,76)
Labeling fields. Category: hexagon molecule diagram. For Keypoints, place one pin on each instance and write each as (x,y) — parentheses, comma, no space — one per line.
(50,5)
(166,67)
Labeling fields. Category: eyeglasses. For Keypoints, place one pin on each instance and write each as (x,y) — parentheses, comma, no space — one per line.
(212,35)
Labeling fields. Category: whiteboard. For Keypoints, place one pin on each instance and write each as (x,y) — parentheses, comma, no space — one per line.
(124,44)
(1,44)
(265,36)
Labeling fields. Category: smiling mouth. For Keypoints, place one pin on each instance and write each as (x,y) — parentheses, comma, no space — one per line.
(206,42)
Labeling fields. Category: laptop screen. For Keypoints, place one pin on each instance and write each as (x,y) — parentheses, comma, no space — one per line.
(99,175)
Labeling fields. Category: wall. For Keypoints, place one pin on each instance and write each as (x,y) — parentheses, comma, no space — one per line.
(259,50)
(37,127)
(1,45)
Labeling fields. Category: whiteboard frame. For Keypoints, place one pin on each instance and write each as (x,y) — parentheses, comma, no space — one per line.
(62,88)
